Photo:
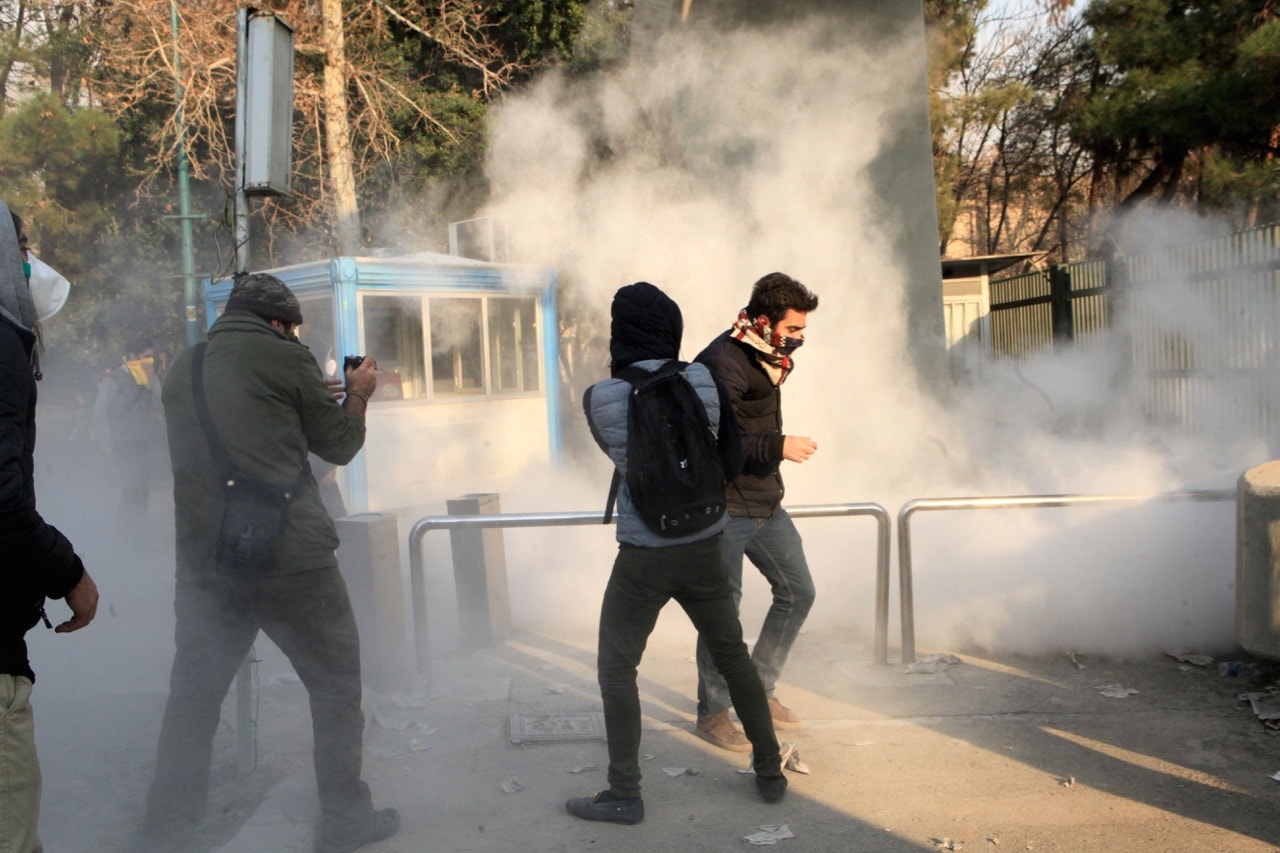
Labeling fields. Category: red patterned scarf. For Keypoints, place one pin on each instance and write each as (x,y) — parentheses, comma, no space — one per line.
(760,336)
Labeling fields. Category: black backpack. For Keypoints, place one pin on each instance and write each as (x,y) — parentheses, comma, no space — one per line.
(675,471)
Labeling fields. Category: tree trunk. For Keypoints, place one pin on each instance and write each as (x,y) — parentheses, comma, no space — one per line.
(337,131)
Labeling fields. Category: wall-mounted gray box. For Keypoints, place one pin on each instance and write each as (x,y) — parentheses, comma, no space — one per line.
(268,144)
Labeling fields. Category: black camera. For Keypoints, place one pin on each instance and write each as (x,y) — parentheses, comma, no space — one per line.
(351,362)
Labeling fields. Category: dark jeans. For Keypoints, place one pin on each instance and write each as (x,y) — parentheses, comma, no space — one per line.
(774,547)
(643,581)
(308,615)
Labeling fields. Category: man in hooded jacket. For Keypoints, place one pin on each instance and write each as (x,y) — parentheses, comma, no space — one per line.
(38,562)
(650,570)
(270,406)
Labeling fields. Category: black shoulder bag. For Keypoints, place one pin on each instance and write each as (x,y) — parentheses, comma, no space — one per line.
(254,510)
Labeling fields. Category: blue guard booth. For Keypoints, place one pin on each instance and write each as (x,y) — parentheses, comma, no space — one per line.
(468,353)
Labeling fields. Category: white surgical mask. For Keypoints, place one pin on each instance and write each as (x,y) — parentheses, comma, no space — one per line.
(49,288)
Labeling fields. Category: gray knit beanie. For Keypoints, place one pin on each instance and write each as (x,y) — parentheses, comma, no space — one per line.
(266,296)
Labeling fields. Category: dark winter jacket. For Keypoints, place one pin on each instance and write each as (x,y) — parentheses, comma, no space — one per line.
(36,561)
(757,402)
(126,412)
(271,407)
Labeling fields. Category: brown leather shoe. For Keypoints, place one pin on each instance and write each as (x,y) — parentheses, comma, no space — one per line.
(720,730)
(784,717)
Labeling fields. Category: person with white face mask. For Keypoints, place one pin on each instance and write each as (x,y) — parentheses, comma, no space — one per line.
(38,562)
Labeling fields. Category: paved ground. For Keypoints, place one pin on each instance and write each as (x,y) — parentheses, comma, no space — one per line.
(1018,754)
(996,752)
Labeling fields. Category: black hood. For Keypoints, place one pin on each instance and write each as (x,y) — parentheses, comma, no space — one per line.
(646,324)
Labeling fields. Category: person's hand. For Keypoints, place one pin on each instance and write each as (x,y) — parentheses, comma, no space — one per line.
(363,380)
(336,388)
(83,601)
(797,448)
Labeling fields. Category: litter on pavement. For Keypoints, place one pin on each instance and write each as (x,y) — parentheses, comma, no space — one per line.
(790,760)
(673,772)
(931,664)
(1116,691)
(770,834)
(1194,660)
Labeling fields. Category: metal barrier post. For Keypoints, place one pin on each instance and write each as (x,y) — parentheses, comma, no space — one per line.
(417,565)
(906,582)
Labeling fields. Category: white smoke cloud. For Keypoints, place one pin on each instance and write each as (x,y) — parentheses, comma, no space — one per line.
(737,153)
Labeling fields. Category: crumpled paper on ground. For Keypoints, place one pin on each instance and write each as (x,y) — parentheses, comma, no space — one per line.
(1194,660)
(673,772)
(1266,706)
(769,834)
(930,664)
(790,759)
(1116,691)
(512,785)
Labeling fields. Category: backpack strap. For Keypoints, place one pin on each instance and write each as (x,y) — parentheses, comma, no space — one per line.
(613,495)
(595,433)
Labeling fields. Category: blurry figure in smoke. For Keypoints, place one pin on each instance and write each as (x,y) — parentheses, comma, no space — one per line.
(128,423)
(267,406)
(751,361)
(38,561)
(650,570)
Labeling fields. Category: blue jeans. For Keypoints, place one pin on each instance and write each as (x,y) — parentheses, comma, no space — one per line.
(774,547)
(642,582)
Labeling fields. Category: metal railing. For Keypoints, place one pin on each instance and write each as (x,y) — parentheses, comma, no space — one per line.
(905,569)
(417,563)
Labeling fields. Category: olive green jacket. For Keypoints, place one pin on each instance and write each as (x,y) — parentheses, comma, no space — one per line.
(270,406)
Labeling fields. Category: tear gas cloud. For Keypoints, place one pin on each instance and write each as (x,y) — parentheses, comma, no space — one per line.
(719,158)
(733,154)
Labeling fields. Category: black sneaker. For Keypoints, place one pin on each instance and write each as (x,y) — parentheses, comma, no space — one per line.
(386,823)
(605,806)
(771,788)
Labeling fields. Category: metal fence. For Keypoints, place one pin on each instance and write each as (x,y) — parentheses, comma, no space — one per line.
(906,570)
(417,562)
(1193,326)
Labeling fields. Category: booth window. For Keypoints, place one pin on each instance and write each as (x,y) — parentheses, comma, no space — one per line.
(478,345)
(317,332)
(513,344)
(457,352)
(393,333)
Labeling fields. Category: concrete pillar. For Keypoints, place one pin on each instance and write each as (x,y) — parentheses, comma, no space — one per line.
(480,575)
(1258,560)
(370,559)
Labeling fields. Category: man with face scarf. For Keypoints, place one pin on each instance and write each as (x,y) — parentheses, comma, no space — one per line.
(750,361)
(38,562)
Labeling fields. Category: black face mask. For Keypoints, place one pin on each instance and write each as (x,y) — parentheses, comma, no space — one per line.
(790,345)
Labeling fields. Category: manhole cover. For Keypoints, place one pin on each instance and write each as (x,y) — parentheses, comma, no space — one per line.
(542,728)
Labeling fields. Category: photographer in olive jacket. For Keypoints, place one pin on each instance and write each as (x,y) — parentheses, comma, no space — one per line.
(38,562)
(268,407)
